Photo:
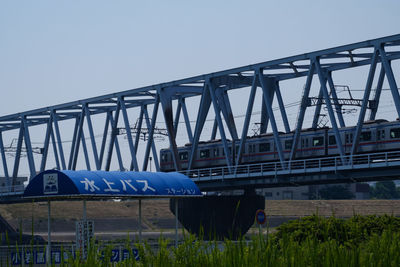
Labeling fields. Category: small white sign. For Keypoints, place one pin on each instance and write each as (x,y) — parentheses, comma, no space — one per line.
(50,183)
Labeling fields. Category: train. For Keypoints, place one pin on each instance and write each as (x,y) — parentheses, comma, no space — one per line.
(376,136)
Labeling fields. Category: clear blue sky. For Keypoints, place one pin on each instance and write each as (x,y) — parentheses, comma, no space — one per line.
(52,52)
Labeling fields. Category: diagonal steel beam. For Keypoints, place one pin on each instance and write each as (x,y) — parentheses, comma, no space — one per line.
(129,134)
(153,146)
(377,94)
(390,77)
(114,141)
(338,107)
(151,133)
(166,103)
(104,139)
(367,91)
(217,110)
(58,135)
(18,154)
(302,111)
(247,119)
(92,139)
(187,121)
(49,130)
(322,79)
(4,159)
(204,107)
(271,116)
(282,107)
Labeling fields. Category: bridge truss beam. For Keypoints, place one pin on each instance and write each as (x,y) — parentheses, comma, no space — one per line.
(212,89)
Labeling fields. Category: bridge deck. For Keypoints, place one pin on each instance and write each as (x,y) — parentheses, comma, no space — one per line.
(357,168)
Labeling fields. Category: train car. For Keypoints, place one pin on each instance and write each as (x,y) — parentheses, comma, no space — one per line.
(376,136)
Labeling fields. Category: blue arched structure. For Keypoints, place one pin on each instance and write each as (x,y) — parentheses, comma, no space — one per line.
(54,184)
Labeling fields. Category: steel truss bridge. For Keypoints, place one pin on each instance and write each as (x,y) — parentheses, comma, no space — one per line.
(211,90)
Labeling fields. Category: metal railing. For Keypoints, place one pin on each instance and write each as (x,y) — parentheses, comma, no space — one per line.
(303,166)
(12,190)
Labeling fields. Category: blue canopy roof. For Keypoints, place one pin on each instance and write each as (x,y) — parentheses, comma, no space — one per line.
(54,184)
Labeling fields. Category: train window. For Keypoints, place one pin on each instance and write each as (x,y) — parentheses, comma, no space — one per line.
(252,148)
(332,140)
(264,147)
(204,153)
(365,136)
(395,133)
(288,144)
(164,157)
(183,155)
(318,141)
(216,152)
(349,138)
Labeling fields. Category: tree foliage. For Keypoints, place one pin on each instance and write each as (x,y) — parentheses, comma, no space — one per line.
(384,190)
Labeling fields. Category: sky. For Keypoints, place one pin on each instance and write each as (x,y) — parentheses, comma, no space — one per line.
(52,52)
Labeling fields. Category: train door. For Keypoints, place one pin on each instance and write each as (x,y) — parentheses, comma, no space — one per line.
(348,141)
(380,138)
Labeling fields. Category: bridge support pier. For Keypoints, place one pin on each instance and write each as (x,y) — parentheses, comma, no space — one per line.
(218,217)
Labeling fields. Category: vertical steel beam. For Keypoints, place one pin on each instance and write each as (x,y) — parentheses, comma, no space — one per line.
(338,107)
(58,135)
(18,153)
(74,137)
(92,139)
(166,103)
(377,94)
(187,121)
(282,107)
(267,95)
(367,91)
(78,138)
(247,119)
(205,104)
(113,138)
(325,93)
(153,146)
(303,108)
(128,134)
(390,77)
(114,141)
(49,129)
(104,139)
(217,110)
(54,145)
(3,158)
(85,151)
(151,132)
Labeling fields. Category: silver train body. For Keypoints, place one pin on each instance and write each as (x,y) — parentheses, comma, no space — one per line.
(376,136)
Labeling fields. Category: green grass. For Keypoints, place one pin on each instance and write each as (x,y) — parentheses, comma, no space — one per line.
(311,241)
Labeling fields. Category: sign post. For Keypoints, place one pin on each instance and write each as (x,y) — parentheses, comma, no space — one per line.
(84,234)
(261,218)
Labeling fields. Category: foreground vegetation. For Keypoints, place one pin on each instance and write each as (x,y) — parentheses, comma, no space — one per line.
(311,241)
